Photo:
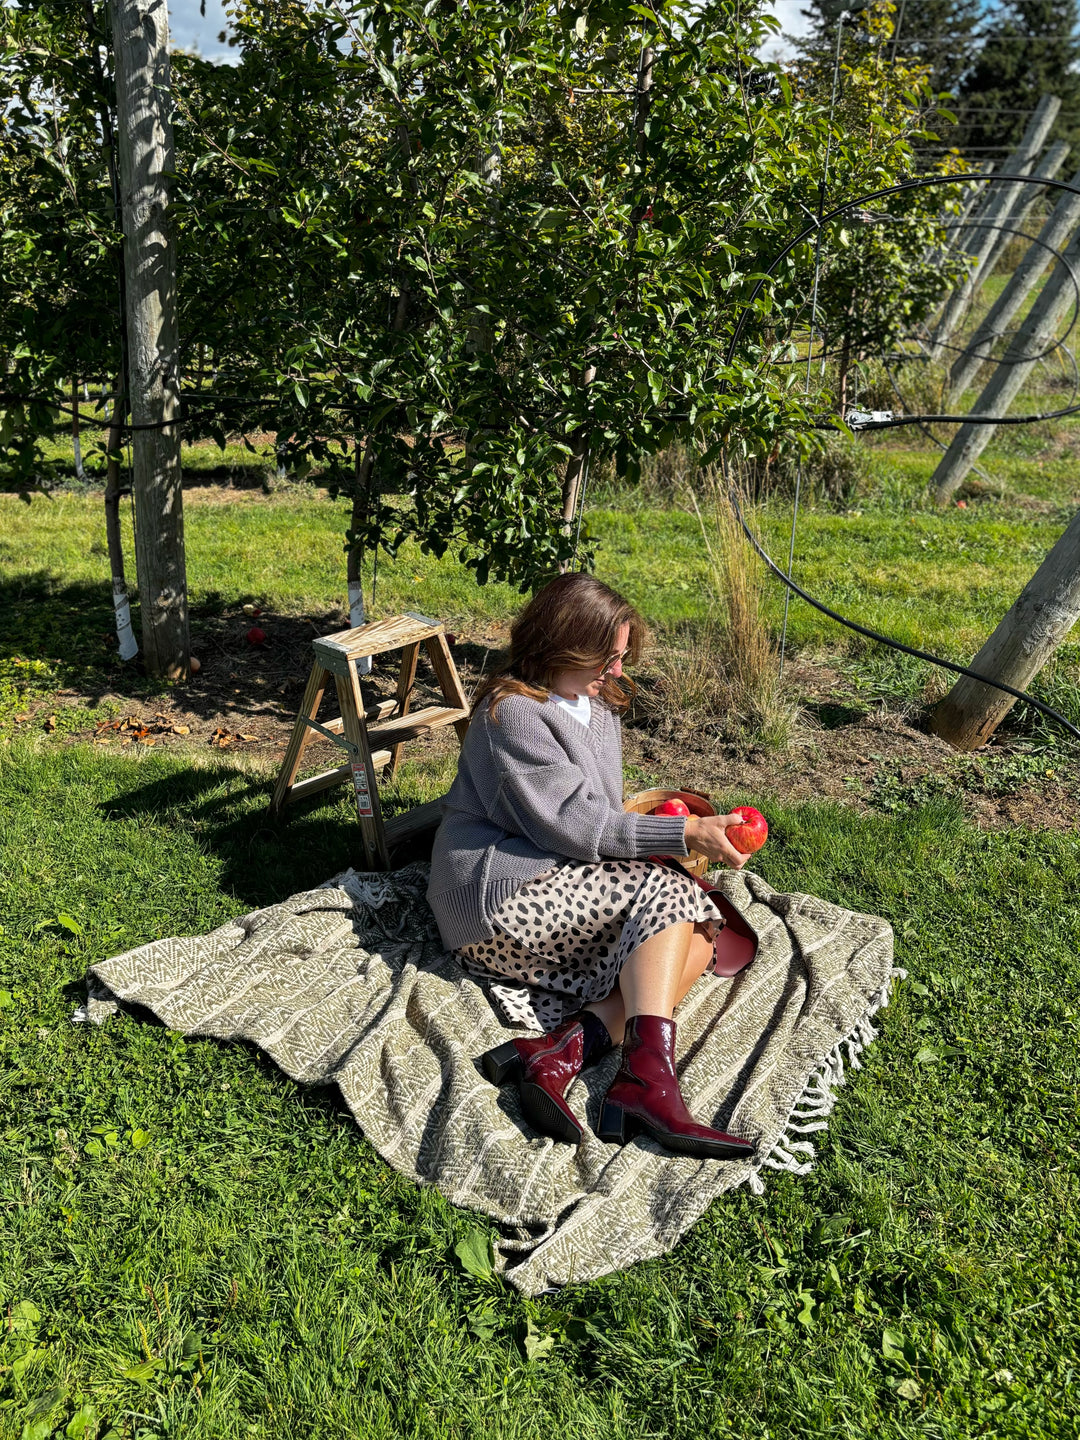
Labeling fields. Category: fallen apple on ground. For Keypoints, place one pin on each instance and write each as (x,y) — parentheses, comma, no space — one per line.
(752,833)
(672,807)
(256,636)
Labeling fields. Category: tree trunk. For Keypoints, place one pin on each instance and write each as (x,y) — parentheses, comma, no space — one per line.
(1054,234)
(125,635)
(76,428)
(1035,626)
(1002,202)
(1034,337)
(144,132)
(577,467)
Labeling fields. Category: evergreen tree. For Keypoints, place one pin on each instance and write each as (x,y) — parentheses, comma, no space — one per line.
(1031,49)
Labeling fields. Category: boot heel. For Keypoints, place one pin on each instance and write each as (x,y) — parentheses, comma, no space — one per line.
(613,1125)
(503,1064)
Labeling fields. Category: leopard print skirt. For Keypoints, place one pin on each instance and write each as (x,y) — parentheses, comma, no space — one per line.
(562,939)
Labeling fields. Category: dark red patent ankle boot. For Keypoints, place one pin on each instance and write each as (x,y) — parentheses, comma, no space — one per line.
(544,1068)
(645,1096)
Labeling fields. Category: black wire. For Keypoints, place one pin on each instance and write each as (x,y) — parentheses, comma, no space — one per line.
(865,630)
(1047,710)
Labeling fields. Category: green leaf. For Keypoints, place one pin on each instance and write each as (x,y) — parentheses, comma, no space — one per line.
(84,1419)
(927,1056)
(69,923)
(145,1372)
(892,1345)
(537,1344)
(477,1254)
(24,1320)
(908,1389)
(139,1138)
(482,1324)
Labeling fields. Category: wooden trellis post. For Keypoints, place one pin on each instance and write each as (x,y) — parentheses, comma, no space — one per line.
(1000,204)
(1035,335)
(1034,627)
(1061,223)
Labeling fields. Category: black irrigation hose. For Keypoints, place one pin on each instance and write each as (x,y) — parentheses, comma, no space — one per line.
(795,589)
(1047,710)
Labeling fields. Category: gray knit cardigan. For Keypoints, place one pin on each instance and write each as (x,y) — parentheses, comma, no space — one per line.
(534,789)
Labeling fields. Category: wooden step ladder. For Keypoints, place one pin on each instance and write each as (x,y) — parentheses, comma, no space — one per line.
(385,726)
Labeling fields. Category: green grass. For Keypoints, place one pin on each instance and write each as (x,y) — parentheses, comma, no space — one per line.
(194,1246)
(937,580)
(191,1245)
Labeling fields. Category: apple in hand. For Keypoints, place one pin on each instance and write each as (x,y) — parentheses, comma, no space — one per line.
(752,833)
(672,807)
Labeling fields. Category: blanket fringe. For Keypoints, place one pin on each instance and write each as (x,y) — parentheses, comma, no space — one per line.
(818,1096)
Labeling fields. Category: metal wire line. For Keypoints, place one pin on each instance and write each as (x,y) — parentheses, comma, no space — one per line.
(792,588)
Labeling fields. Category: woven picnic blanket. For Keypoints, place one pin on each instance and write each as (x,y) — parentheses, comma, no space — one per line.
(349,984)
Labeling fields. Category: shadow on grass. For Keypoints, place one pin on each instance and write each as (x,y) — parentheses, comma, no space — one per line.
(70,628)
(264,858)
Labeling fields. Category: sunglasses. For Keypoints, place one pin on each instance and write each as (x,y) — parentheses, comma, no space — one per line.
(613,660)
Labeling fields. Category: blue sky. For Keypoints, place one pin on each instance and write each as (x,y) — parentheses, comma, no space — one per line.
(191,32)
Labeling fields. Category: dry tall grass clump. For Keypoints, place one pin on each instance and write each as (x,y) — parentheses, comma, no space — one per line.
(745,658)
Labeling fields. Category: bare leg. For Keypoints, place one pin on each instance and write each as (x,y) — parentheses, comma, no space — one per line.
(670,970)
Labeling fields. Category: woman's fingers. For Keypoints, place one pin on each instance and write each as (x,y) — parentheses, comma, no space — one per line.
(707,833)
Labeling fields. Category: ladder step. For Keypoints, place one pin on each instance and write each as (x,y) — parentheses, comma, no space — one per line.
(372,714)
(417,722)
(414,822)
(336,652)
(314,783)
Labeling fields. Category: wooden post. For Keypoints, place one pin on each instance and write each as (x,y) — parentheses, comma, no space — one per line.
(1033,338)
(1047,169)
(363,465)
(1060,225)
(144,134)
(1002,202)
(1035,626)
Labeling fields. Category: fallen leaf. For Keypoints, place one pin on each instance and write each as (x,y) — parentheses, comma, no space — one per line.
(21,719)
(50,724)
(249,737)
(147,740)
(181,729)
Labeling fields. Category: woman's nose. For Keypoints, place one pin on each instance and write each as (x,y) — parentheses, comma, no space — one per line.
(616,670)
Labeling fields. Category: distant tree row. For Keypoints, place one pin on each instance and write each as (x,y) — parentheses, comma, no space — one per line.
(995,63)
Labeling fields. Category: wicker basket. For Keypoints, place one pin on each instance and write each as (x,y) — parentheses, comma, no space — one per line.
(646,801)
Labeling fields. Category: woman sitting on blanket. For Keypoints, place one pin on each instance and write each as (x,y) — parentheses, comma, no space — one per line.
(542,883)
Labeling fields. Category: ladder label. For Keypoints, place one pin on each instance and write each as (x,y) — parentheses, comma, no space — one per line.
(360,785)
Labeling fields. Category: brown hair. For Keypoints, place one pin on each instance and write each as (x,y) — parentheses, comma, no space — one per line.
(570,625)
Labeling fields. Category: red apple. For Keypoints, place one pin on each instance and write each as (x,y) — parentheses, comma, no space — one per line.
(672,807)
(255,636)
(752,833)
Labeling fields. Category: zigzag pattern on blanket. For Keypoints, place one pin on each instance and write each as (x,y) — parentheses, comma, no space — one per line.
(349,983)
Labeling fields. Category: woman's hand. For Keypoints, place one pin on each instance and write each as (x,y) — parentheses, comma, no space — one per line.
(708,834)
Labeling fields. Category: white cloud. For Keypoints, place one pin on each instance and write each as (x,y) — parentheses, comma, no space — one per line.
(792,22)
(189,30)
